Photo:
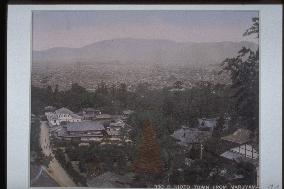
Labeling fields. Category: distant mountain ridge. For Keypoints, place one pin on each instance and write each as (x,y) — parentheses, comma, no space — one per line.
(142,51)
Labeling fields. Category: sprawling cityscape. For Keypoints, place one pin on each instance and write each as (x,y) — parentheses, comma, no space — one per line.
(89,76)
(138,112)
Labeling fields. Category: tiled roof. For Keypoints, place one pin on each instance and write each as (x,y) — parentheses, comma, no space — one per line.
(113,132)
(61,132)
(104,116)
(188,136)
(246,149)
(233,155)
(84,126)
(240,136)
(56,128)
(75,116)
(89,109)
(117,124)
(63,111)
(211,123)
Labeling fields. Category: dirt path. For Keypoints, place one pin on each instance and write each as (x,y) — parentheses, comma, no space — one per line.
(54,170)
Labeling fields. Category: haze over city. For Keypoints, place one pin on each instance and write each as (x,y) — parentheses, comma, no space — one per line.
(145,99)
(75,29)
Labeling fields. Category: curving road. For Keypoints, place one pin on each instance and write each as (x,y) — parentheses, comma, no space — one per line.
(54,169)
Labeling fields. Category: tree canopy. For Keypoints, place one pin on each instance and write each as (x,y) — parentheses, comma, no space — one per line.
(244,72)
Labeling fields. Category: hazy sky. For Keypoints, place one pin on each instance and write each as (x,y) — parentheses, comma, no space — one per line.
(80,28)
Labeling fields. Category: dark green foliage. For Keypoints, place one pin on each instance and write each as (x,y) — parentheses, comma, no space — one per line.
(185,107)
(99,159)
(167,111)
(34,140)
(244,71)
(204,172)
(38,102)
(218,130)
(75,97)
(178,84)
(248,171)
(182,107)
(142,88)
(176,178)
(194,152)
(254,29)
(164,125)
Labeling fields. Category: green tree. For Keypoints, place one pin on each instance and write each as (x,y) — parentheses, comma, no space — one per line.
(75,97)
(57,97)
(38,100)
(219,127)
(254,29)
(244,72)
(122,94)
(49,95)
(178,84)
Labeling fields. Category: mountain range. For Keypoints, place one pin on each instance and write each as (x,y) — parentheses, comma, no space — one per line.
(142,51)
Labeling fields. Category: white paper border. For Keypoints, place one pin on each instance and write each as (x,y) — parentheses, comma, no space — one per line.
(18,84)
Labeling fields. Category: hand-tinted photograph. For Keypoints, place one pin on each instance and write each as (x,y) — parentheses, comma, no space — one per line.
(144,99)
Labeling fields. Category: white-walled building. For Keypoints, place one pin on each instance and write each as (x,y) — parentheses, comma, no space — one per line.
(62,115)
(52,119)
(244,149)
(242,152)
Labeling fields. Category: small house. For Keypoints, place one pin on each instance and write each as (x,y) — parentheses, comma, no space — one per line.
(86,128)
(189,136)
(245,148)
(207,124)
(245,152)
(52,119)
(63,114)
(117,124)
(90,113)
(240,136)
(84,131)
(75,118)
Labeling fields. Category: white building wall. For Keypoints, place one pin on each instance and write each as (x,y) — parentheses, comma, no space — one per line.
(246,150)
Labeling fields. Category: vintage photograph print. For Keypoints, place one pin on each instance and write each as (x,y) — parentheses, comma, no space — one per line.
(145,99)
